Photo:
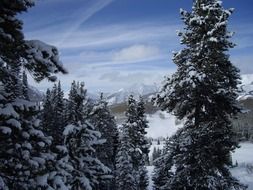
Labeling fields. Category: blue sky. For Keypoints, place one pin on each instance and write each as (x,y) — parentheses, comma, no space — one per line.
(112,44)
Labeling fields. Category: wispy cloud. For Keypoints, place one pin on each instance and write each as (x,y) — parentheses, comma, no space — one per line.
(84,16)
(128,55)
(110,36)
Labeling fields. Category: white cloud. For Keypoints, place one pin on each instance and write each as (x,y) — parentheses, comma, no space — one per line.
(136,53)
(126,55)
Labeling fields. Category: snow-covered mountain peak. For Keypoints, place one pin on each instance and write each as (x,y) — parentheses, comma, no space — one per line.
(246,87)
(137,89)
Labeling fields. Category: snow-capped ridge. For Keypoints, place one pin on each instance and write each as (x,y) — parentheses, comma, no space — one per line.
(137,89)
(246,87)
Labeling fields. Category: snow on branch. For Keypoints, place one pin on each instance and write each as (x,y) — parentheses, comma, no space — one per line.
(42,60)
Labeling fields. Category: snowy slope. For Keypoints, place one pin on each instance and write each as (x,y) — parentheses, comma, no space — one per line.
(244,158)
(150,171)
(162,124)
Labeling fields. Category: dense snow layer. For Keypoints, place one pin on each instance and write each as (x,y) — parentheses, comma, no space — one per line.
(162,124)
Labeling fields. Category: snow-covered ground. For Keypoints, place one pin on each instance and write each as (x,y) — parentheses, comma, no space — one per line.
(243,156)
(162,124)
(150,171)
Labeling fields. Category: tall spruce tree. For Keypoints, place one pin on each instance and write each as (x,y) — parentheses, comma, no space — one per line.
(125,177)
(203,92)
(81,138)
(163,163)
(25,86)
(47,112)
(136,124)
(142,127)
(24,149)
(105,123)
(52,115)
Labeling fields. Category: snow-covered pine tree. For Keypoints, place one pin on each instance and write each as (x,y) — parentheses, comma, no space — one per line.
(25,86)
(53,123)
(203,92)
(72,114)
(142,127)
(105,123)
(131,124)
(162,174)
(25,158)
(52,115)
(136,124)
(163,163)
(58,112)
(143,181)
(125,178)
(81,139)
(47,113)
(157,152)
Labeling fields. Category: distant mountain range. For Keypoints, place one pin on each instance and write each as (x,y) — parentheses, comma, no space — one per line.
(246,87)
(146,91)
(136,90)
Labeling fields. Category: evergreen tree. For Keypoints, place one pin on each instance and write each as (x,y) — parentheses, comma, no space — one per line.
(132,125)
(156,153)
(75,104)
(125,179)
(105,123)
(163,163)
(58,112)
(203,92)
(25,158)
(53,118)
(25,86)
(142,126)
(47,113)
(136,124)
(143,177)
(81,139)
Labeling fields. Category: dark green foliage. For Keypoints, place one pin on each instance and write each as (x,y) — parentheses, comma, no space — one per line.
(105,123)
(53,114)
(25,156)
(156,153)
(162,165)
(203,92)
(25,86)
(136,125)
(81,140)
(125,178)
